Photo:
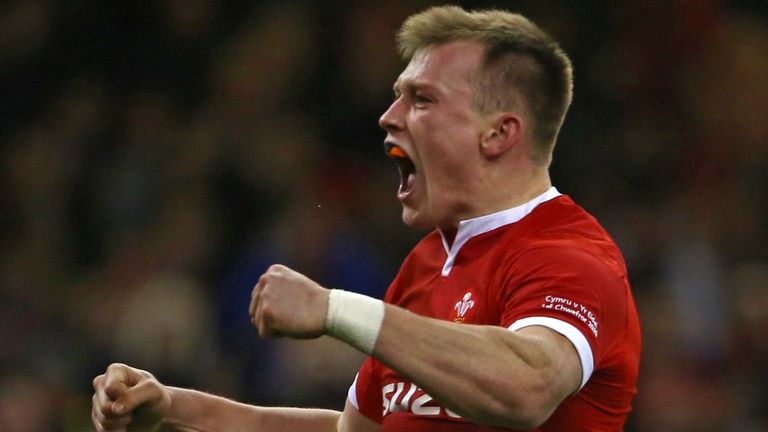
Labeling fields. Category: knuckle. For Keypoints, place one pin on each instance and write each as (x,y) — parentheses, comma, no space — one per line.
(264,281)
(115,367)
(145,375)
(153,385)
(264,328)
(265,296)
(97,415)
(268,315)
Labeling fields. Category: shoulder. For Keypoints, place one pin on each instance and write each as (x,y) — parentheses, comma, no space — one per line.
(563,248)
(561,233)
(562,217)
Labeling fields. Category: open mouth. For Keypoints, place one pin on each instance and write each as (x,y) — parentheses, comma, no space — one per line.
(404,165)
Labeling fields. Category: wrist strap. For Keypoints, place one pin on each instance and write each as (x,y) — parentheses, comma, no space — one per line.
(354,318)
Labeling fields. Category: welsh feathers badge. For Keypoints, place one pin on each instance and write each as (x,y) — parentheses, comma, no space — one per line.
(463,308)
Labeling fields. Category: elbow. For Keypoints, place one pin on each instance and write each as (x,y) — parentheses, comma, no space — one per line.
(529,413)
(522,407)
(529,416)
(534,402)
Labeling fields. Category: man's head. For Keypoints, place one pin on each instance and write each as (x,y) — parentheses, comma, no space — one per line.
(476,113)
(523,68)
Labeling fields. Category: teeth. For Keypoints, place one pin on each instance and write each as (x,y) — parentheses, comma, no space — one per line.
(403,173)
(410,181)
(404,165)
(407,173)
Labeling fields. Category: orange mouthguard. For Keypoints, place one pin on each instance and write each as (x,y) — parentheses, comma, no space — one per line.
(397,152)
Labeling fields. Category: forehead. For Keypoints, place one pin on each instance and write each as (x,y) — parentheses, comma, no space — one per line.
(450,65)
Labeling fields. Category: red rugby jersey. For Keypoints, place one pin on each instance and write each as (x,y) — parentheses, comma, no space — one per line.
(547,263)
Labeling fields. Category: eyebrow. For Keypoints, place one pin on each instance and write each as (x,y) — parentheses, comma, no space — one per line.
(412,86)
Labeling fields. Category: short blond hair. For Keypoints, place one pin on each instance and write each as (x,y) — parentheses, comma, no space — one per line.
(520,58)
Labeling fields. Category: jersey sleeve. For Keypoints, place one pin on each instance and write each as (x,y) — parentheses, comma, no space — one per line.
(365,392)
(562,289)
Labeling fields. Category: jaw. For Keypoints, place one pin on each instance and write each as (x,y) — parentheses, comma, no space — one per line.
(424,214)
(413,219)
(422,209)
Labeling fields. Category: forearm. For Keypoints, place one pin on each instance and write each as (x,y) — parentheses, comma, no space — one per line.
(484,373)
(201,412)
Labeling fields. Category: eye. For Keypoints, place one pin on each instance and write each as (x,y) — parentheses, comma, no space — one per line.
(421,100)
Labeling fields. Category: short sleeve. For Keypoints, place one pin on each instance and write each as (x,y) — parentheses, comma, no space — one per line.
(561,289)
(365,392)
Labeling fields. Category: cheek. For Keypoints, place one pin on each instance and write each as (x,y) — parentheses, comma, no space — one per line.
(448,181)
(448,147)
(451,158)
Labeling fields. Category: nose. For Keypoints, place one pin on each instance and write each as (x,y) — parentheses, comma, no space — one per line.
(392,119)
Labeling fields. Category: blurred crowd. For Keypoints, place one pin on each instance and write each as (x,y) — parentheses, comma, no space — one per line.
(157,156)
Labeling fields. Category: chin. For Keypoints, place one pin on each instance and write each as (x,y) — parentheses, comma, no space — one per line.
(413,219)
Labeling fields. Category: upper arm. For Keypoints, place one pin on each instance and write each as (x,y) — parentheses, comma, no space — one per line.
(352,420)
(565,290)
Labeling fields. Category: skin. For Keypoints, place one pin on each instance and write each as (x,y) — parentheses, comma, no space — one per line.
(467,165)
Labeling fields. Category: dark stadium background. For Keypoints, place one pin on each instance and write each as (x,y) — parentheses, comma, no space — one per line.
(156,156)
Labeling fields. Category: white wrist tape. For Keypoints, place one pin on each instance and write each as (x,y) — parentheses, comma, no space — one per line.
(354,318)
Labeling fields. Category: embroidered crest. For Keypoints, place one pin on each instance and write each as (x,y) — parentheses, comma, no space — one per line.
(463,307)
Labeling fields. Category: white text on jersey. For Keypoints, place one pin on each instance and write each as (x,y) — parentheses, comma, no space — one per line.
(407,397)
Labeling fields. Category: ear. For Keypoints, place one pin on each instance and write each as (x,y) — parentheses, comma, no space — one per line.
(505,134)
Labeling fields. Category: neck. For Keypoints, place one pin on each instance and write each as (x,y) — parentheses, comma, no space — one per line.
(491,220)
(518,193)
(501,192)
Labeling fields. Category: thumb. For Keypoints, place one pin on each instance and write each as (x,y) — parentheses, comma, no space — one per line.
(149,393)
(115,390)
(118,379)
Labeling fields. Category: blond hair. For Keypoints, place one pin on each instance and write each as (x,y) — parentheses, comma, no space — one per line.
(520,59)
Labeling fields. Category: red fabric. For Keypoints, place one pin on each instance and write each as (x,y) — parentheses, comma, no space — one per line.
(556,262)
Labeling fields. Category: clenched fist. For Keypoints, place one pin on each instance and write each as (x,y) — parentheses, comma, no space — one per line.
(128,399)
(287,303)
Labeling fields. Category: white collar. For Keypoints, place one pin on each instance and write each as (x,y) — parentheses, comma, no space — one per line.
(473,227)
